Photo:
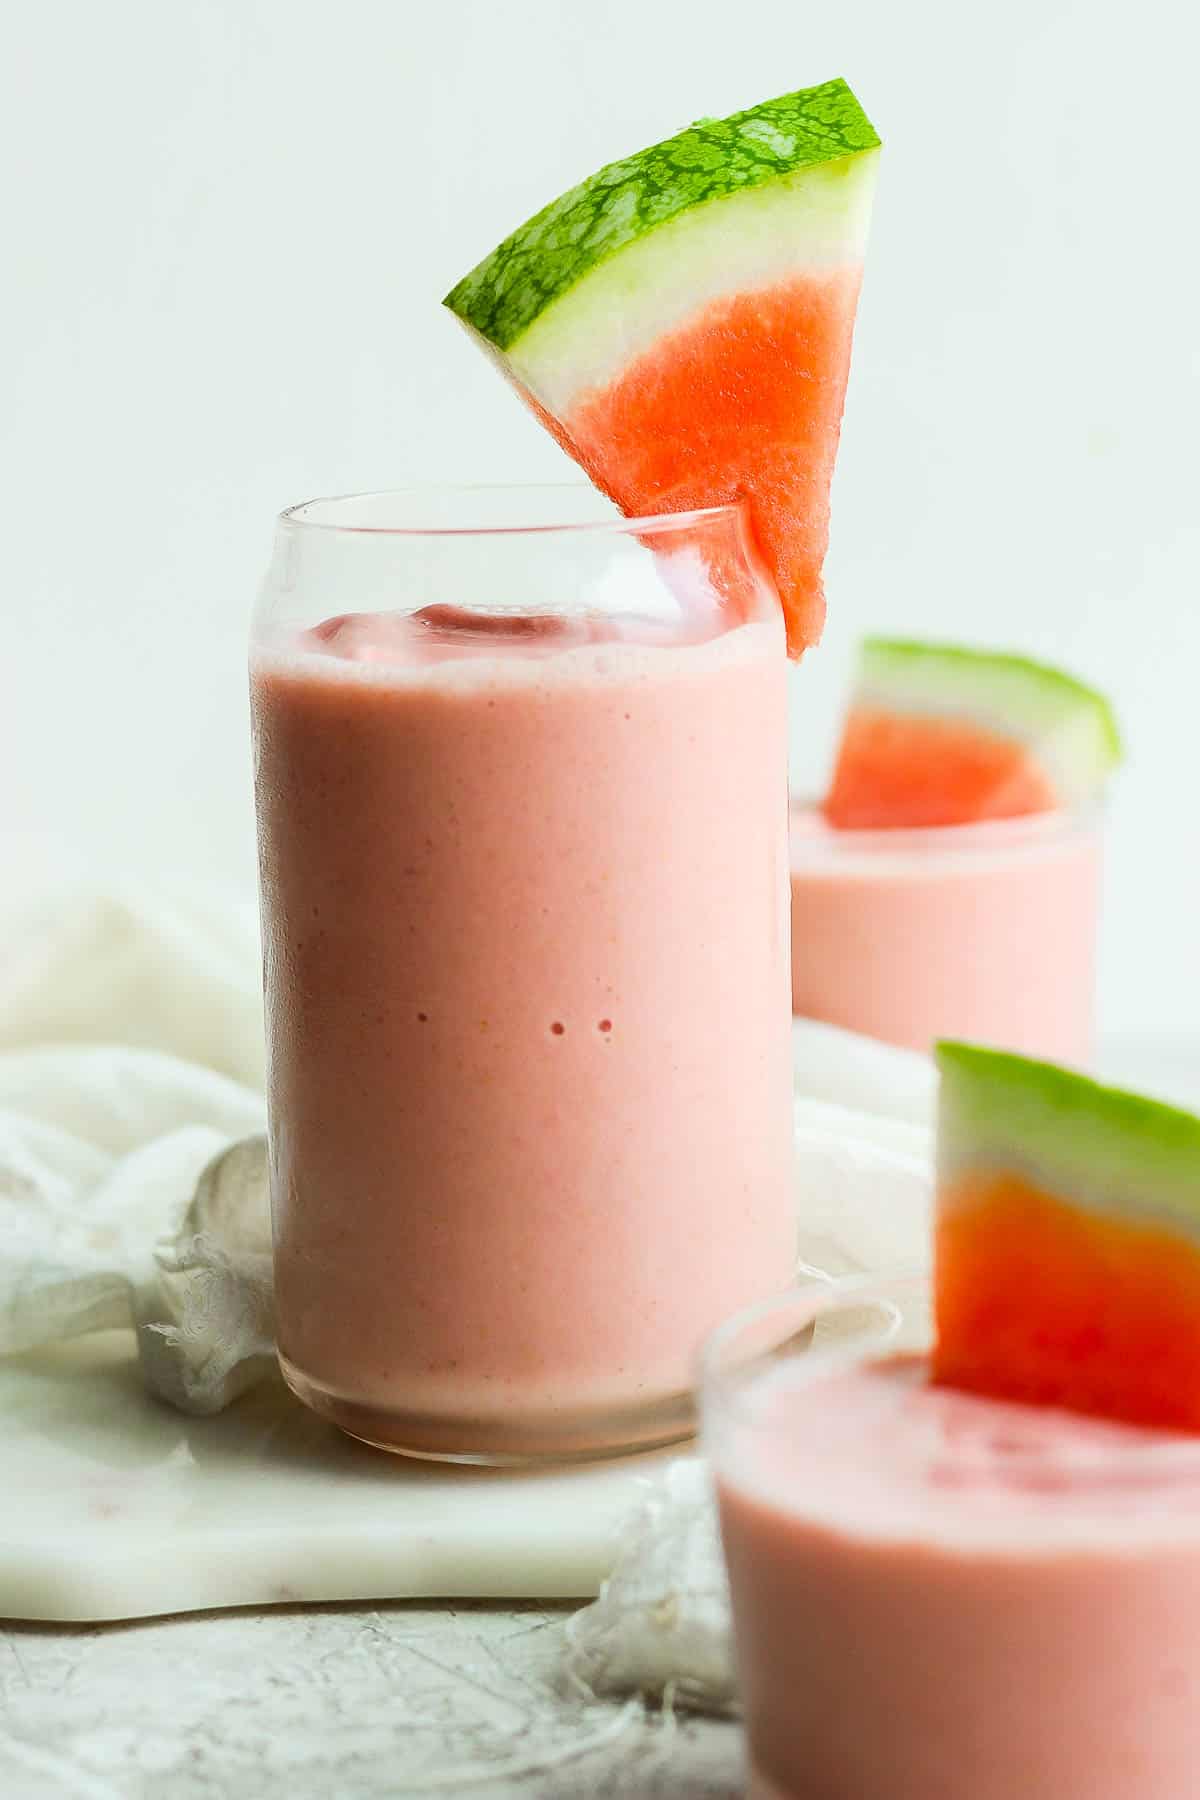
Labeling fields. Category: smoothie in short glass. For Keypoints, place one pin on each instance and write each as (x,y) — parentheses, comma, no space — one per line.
(984,932)
(936,1594)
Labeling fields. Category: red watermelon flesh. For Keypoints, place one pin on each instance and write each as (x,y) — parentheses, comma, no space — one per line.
(896,770)
(940,734)
(744,401)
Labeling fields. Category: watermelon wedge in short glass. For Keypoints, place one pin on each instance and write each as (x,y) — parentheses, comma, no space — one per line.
(682,321)
(1067,1241)
(938,734)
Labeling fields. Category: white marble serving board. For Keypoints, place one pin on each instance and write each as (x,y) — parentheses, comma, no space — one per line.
(114,1506)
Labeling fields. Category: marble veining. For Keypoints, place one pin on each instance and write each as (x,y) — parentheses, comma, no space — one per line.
(114,1505)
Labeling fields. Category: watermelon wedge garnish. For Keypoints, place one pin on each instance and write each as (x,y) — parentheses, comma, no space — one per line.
(682,321)
(1067,1241)
(941,735)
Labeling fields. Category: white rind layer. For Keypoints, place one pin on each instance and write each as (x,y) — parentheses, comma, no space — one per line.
(1065,726)
(813,220)
(1104,1151)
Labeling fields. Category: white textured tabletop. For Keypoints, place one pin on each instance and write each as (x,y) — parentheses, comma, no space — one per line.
(332,1703)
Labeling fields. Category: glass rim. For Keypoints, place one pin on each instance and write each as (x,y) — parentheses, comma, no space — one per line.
(1168,1455)
(810,1286)
(295,517)
(1021,830)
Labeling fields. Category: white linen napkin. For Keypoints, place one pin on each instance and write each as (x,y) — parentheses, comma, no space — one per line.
(133,1192)
(132,1162)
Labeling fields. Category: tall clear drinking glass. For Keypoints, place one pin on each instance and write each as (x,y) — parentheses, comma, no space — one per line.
(520,773)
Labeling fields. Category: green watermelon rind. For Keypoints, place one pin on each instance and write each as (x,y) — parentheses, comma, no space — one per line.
(1103,1149)
(1036,692)
(714,159)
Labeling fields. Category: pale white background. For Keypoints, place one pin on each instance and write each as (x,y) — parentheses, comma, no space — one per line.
(227,226)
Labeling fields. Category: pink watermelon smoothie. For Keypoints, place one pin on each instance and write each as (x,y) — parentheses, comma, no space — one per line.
(985,932)
(524,906)
(937,1595)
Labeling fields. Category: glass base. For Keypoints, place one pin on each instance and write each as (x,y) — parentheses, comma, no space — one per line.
(511,1440)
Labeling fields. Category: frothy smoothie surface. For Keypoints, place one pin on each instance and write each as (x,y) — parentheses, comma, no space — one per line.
(903,1459)
(939,1595)
(444,633)
(525,919)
